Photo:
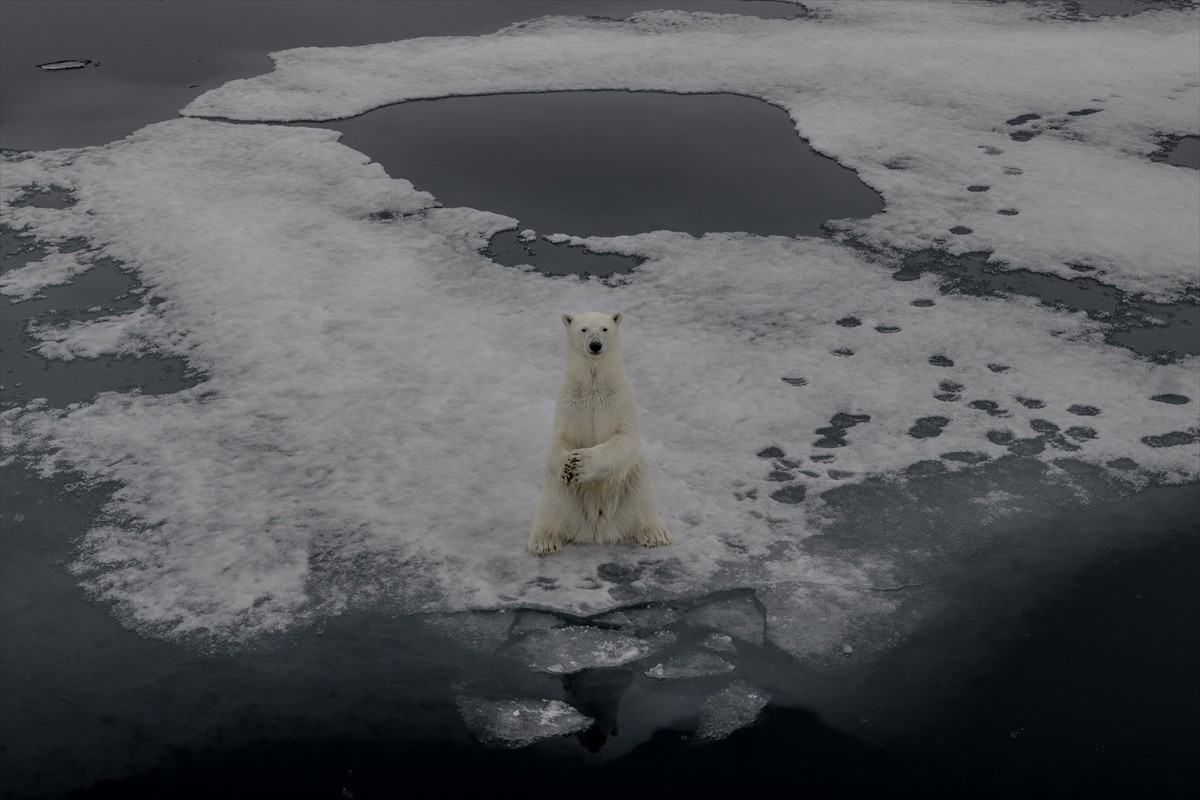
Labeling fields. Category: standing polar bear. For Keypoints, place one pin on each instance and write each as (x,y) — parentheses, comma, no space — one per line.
(596,484)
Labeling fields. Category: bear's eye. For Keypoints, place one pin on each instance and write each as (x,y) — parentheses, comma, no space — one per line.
(583,330)
(604,330)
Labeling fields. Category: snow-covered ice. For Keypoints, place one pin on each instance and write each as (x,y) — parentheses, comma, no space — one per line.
(377,394)
(565,651)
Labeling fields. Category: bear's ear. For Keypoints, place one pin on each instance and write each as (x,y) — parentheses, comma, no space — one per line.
(567,320)
(616,318)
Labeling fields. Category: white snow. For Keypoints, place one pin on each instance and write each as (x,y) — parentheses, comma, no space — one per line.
(378,394)
(510,724)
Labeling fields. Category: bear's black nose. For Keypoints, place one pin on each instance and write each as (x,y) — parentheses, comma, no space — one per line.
(595,347)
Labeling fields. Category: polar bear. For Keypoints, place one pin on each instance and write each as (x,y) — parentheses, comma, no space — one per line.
(596,484)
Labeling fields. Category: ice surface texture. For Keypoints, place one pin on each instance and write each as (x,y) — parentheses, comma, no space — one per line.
(378,394)
(918,129)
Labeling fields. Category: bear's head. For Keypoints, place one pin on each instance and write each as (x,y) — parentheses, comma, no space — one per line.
(593,334)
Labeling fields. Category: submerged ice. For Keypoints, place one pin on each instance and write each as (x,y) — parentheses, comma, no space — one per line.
(377,393)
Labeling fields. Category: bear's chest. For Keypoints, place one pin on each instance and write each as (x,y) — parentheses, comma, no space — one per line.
(589,418)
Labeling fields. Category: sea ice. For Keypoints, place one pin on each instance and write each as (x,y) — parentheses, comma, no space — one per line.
(378,393)
(690,665)
(511,724)
(724,712)
(565,651)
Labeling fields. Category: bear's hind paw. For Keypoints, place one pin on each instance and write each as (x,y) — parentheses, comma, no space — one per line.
(544,546)
(652,536)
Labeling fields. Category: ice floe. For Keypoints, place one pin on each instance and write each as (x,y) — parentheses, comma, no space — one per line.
(378,393)
(517,723)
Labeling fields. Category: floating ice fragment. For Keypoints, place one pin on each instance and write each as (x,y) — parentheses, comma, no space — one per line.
(71,63)
(724,712)
(517,723)
(720,642)
(651,618)
(565,651)
(690,665)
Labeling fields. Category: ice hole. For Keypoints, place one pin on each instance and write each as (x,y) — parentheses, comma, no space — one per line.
(611,163)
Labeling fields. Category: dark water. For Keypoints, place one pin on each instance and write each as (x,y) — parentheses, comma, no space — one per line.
(565,162)
(1057,650)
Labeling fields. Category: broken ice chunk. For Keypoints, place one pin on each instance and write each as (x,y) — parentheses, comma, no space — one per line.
(734,707)
(517,723)
(690,665)
(565,651)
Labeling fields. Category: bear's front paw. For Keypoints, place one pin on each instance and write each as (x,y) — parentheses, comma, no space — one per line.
(580,468)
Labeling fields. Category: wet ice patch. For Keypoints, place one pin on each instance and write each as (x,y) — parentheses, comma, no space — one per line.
(511,724)
(689,665)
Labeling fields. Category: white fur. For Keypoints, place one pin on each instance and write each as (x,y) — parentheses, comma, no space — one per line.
(596,484)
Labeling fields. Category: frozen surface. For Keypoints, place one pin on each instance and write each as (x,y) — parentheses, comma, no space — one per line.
(517,723)
(379,394)
(735,706)
(919,130)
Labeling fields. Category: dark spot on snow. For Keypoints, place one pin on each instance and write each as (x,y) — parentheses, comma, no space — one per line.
(1023,118)
(795,381)
(923,469)
(1000,437)
(1013,171)
(770,452)
(989,150)
(45,197)
(839,474)
(966,457)
(1082,268)
(998,367)
(940,361)
(789,463)
(622,574)
(780,476)
(960,230)
(750,494)
(1173,399)
(842,352)
(823,458)
(1172,439)
(1029,402)
(810,473)
(1083,112)
(1026,447)
(849,322)
(947,398)
(1044,426)
(928,427)
(1084,411)
(1123,464)
(1023,136)
(1081,432)
(790,494)
(1008,212)
(835,434)
(923,303)
(978,188)
(887,328)
(990,406)
(382,216)
(950,386)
